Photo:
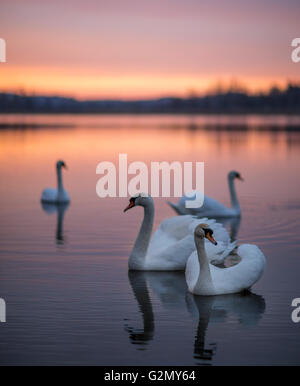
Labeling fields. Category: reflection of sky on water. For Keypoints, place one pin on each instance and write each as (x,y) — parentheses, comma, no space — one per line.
(70,304)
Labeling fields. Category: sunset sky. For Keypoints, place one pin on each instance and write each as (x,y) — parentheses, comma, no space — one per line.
(146,48)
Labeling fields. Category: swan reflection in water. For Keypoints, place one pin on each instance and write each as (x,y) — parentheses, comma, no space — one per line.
(138,284)
(246,307)
(60,209)
(171,290)
(169,287)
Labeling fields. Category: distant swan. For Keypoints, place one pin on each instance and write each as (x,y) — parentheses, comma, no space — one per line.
(212,208)
(205,279)
(59,195)
(173,241)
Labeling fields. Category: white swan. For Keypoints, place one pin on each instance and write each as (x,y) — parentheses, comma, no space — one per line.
(205,279)
(211,207)
(173,241)
(59,195)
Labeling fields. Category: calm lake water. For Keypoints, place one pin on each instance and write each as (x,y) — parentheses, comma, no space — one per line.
(70,299)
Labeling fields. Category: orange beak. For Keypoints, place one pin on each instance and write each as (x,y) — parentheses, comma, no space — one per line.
(211,239)
(241,178)
(131,205)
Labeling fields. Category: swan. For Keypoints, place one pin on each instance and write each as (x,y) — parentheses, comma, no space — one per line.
(59,195)
(172,243)
(206,279)
(211,207)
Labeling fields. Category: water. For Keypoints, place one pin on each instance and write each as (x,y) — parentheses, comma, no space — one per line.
(70,299)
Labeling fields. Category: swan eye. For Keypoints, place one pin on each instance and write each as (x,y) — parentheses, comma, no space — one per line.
(208,231)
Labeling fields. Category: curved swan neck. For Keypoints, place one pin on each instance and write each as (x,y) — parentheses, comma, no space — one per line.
(141,244)
(233,197)
(202,257)
(60,187)
(204,280)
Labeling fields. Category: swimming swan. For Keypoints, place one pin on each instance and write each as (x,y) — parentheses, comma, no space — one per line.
(173,242)
(211,207)
(59,195)
(205,279)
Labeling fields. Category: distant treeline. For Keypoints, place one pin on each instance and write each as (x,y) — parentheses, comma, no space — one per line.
(230,102)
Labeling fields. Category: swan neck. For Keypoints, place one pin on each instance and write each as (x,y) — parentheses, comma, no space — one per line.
(233,197)
(60,187)
(202,257)
(204,279)
(142,241)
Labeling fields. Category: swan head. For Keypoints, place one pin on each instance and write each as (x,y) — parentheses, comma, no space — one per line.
(203,231)
(61,164)
(234,174)
(140,199)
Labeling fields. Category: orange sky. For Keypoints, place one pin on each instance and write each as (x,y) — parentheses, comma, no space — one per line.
(141,48)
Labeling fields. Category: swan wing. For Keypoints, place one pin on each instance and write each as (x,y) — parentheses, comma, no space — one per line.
(210,208)
(217,253)
(209,204)
(174,229)
(170,231)
(220,232)
(171,257)
(177,226)
(243,275)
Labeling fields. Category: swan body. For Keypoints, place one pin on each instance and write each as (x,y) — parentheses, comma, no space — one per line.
(172,243)
(206,279)
(59,195)
(211,207)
